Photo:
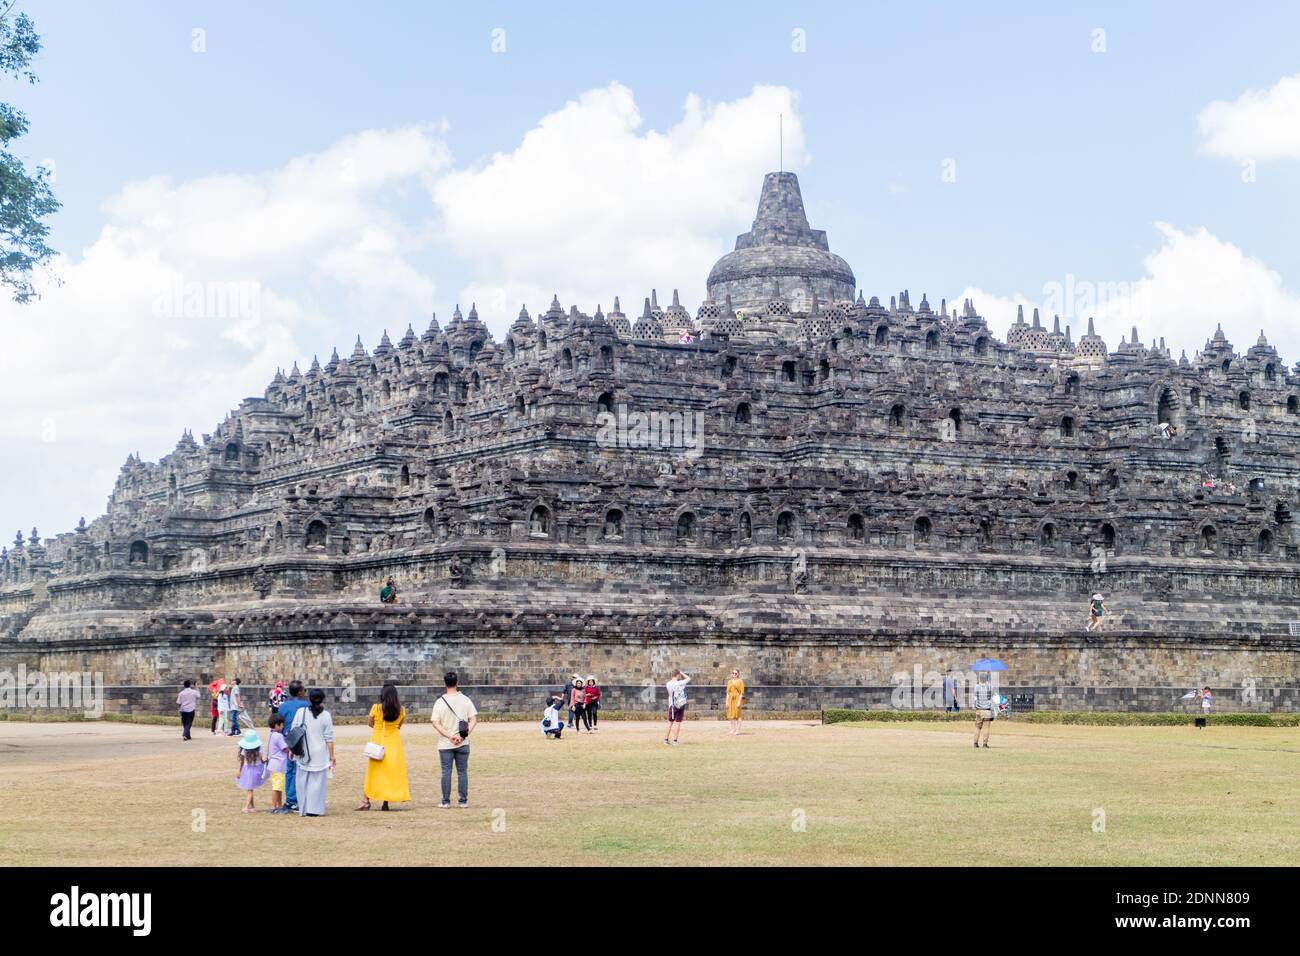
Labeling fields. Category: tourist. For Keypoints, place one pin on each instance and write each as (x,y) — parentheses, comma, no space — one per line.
(454,718)
(296,702)
(553,718)
(388,593)
(577,703)
(1096,608)
(591,703)
(236,705)
(386,775)
(252,767)
(215,714)
(277,761)
(316,763)
(951,705)
(735,700)
(986,708)
(676,705)
(276,697)
(1207,701)
(223,711)
(187,700)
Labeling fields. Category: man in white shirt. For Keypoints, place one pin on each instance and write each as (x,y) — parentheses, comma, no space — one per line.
(186,701)
(450,711)
(552,722)
(676,705)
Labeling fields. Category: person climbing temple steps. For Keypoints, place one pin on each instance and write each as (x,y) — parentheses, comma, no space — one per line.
(1096,610)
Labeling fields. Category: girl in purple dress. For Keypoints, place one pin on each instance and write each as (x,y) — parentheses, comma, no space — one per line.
(252,767)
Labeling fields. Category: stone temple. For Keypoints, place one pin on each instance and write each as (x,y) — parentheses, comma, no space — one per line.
(824,490)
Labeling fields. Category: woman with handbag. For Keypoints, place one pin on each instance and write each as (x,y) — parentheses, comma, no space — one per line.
(385,757)
(311,738)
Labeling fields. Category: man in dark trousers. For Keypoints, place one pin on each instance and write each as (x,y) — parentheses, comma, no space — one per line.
(296,702)
(186,701)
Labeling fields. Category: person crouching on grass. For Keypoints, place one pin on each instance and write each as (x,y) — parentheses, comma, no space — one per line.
(252,767)
(277,763)
(986,709)
(552,721)
(676,705)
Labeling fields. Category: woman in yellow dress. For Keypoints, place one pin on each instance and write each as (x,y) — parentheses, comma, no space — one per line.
(386,779)
(735,698)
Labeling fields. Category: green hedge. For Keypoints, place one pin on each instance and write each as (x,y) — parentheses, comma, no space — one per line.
(1097,718)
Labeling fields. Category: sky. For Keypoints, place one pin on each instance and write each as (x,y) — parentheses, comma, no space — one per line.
(248,185)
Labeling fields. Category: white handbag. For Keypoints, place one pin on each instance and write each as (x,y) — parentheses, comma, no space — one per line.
(375,751)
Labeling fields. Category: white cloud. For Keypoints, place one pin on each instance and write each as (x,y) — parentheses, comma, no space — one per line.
(591,206)
(190,297)
(1191,283)
(1258,125)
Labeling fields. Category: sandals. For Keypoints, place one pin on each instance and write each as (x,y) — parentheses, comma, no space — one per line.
(364,806)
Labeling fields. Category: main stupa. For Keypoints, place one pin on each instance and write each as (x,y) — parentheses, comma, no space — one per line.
(780,250)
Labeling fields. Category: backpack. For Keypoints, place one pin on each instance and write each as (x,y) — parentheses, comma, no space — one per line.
(296,737)
(679,696)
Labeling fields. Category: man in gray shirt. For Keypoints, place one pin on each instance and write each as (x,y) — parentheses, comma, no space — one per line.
(986,708)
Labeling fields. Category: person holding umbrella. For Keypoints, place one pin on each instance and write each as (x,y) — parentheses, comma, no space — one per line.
(986,697)
(1194,694)
(214,689)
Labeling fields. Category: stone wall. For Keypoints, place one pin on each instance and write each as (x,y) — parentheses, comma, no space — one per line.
(708,701)
(796,652)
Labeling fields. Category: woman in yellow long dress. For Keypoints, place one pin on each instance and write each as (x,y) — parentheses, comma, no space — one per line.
(386,779)
(735,700)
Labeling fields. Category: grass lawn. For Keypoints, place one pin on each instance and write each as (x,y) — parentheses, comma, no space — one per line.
(890,794)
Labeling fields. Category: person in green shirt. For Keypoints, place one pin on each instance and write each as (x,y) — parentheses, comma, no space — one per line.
(1096,608)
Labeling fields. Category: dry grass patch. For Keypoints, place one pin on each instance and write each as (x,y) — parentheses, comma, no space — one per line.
(895,794)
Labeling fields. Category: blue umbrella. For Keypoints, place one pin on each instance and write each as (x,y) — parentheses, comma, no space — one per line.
(988,664)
